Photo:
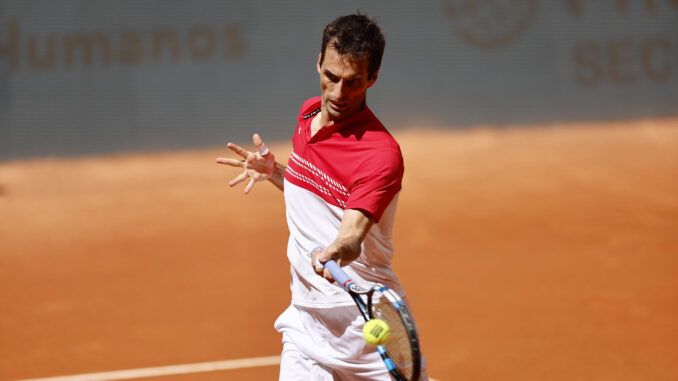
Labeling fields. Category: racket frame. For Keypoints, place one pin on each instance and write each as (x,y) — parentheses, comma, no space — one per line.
(366,309)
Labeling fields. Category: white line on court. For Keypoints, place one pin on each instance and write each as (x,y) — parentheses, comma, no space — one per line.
(170,370)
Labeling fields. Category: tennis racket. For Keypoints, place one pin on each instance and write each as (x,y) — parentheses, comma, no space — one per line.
(401,351)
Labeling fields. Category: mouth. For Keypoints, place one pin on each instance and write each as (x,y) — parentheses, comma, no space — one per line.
(337,106)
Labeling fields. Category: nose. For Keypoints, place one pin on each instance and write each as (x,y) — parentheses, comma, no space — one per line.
(340,91)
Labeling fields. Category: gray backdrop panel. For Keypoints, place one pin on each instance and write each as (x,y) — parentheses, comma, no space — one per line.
(86,77)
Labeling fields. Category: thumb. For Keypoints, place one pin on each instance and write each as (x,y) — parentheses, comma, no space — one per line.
(326,256)
(259,143)
(315,261)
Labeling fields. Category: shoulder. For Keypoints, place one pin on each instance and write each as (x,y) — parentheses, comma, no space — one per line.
(385,150)
(379,138)
(380,154)
(310,108)
(390,161)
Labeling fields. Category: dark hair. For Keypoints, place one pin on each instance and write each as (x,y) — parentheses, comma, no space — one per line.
(356,36)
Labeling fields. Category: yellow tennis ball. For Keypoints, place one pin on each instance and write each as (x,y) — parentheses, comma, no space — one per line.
(376,332)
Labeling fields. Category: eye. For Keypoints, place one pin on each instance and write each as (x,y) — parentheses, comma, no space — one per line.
(332,77)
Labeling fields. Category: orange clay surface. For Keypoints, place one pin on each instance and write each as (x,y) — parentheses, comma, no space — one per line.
(527,253)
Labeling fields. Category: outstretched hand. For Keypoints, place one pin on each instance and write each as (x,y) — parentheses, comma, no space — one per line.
(257,166)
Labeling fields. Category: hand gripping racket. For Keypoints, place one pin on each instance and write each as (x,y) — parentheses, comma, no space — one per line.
(401,351)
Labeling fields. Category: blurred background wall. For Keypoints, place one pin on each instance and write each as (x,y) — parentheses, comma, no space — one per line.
(92,76)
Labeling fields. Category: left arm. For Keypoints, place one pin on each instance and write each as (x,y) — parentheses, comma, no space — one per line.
(346,247)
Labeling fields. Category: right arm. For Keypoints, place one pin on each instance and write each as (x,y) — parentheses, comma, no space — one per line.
(258,166)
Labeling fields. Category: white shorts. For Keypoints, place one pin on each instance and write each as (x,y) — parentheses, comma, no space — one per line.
(327,344)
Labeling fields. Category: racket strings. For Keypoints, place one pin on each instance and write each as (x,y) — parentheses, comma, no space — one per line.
(398,344)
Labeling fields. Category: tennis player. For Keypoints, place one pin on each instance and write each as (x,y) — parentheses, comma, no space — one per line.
(341,186)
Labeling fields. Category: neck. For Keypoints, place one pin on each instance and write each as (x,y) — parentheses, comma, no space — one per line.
(325,116)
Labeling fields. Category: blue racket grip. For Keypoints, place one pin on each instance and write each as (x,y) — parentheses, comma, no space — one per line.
(338,274)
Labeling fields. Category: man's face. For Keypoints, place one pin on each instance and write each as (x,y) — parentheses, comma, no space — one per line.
(343,84)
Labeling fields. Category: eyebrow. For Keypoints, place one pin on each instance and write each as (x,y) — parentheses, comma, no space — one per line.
(329,73)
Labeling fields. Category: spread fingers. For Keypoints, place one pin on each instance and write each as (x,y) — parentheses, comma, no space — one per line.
(239,150)
(229,161)
(238,179)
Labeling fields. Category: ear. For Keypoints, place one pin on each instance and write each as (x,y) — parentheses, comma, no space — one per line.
(373,79)
(318,63)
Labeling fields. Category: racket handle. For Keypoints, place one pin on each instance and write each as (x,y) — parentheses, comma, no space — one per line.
(338,274)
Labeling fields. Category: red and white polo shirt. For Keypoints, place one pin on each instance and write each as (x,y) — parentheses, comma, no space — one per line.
(353,164)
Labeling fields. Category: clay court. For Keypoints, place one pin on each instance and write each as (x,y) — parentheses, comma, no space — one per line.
(528,254)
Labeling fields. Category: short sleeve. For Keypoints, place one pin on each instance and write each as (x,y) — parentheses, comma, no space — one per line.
(379,180)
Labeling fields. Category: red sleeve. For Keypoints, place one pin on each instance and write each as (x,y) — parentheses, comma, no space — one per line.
(379,180)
